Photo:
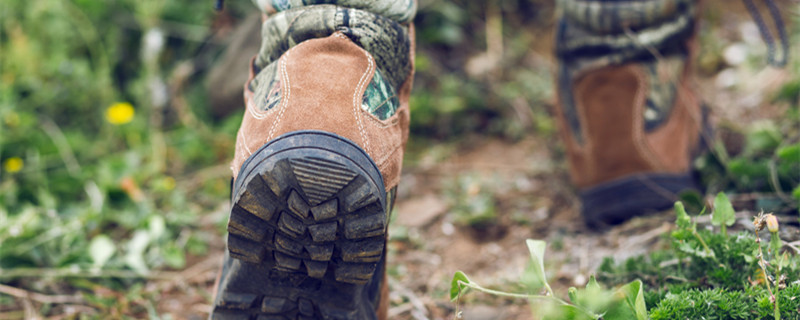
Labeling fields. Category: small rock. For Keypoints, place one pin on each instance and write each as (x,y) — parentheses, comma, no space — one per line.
(418,212)
(448,228)
(579,280)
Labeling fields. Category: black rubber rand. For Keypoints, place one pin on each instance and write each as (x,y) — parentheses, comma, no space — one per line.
(306,234)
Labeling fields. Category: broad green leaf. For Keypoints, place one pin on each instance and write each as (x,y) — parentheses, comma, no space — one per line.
(633,295)
(455,288)
(723,211)
(535,273)
(100,250)
(531,279)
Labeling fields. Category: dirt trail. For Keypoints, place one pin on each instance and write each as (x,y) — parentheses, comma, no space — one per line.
(434,246)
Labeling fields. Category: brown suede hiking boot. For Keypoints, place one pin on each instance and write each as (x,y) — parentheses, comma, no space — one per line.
(320,145)
(629,118)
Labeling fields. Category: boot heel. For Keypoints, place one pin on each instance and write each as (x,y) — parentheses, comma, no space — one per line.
(307,230)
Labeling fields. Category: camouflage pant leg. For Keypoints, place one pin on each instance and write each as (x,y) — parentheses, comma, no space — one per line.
(401,11)
(379,26)
(613,32)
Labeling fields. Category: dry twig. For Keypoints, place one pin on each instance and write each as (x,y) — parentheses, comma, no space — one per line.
(38,297)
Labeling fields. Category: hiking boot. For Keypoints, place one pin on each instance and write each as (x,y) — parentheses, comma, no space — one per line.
(628,115)
(321,143)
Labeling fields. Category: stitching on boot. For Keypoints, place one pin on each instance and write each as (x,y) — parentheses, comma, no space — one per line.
(251,109)
(243,142)
(390,122)
(360,87)
(251,106)
(285,104)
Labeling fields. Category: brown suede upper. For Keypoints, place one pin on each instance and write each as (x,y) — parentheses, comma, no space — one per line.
(609,102)
(323,81)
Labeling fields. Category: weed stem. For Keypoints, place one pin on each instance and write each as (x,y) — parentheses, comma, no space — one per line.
(69,272)
(550,296)
(763,264)
(705,246)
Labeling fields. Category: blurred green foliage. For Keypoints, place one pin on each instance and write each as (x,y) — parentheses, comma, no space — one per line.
(766,163)
(472,200)
(477,73)
(85,195)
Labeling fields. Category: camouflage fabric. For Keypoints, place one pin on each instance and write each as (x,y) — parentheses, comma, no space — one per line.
(380,99)
(612,17)
(266,87)
(593,34)
(381,32)
(397,10)
(662,79)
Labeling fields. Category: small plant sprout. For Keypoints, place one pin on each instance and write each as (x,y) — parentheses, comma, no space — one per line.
(591,302)
(771,222)
(687,229)
(774,240)
(723,215)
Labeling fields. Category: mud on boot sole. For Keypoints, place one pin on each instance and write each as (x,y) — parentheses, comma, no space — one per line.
(306,234)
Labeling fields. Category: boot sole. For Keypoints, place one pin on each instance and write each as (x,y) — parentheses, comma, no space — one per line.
(306,234)
(616,201)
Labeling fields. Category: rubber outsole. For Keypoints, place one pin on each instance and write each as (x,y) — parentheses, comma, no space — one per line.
(306,234)
(616,201)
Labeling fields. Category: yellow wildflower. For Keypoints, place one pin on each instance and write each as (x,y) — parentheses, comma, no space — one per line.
(13,164)
(120,113)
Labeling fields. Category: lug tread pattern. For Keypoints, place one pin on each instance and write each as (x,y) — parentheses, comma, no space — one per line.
(320,178)
(320,220)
